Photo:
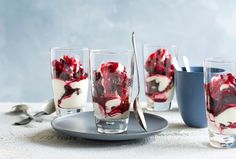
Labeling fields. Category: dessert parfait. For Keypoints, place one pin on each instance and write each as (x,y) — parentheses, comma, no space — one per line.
(221,104)
(70,84)
(159,79)
(220,93)
(111,79)
(111,94)
(111,91)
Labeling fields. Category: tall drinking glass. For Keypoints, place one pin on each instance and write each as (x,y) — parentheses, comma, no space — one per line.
(69,69)
(220,93)
(111,78)
(159,76)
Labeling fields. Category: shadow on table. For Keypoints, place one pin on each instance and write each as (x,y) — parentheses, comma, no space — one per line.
(51,138)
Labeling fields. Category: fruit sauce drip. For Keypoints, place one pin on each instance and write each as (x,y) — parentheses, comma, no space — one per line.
(221,95)
(111,82)
(68,92)
(159,65)
(69,70)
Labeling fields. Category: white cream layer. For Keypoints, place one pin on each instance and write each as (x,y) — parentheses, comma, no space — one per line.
(163,81)
(74,101)
(167,94)
(100,114)
(226,117)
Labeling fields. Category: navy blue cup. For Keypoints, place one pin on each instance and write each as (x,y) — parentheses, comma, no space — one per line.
(190,96)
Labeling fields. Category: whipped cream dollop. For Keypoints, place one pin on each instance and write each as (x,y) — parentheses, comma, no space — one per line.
(77,96)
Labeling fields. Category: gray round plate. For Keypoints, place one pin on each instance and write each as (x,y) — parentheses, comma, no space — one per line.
(83,125)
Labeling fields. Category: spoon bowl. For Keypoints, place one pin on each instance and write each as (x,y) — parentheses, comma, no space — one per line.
(20,108)
(138,113)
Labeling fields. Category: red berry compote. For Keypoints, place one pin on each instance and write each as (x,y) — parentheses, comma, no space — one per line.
(159,77)
(111,91)
(70,82)
(221,104)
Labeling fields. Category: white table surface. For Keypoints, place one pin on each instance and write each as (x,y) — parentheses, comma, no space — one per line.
(39,140)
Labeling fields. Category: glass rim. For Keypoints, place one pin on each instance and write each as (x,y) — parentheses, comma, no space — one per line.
(191,72)
(111,52)
(220,60)
(156,44)
(68,49)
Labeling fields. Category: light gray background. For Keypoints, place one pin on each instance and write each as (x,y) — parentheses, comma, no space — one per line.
(28,28)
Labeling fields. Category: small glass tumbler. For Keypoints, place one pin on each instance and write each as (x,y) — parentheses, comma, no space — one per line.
(159,76)
(111,79)
(69,72)
(220,95)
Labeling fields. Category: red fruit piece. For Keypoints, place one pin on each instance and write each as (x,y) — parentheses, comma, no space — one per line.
(159,62)
(68,69)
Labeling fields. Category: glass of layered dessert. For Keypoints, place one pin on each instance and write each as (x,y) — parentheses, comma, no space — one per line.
(69,72)
(111,79)
(159,76)
(220,93)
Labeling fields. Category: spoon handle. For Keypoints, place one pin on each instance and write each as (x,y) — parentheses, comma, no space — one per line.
(30,118)
(176,64)
(186,63)
(135,61)
(24,121)
(39,114)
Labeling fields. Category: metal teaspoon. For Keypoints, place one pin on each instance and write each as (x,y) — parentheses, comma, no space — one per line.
(48,109)
(138,111)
